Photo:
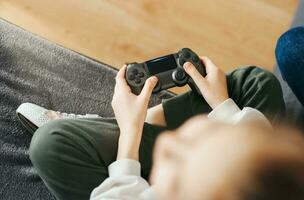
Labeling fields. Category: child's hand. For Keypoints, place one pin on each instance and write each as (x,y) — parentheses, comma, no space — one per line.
(130,112)
(214,86)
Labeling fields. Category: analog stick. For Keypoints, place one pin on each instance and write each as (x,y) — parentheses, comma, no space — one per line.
(179,77)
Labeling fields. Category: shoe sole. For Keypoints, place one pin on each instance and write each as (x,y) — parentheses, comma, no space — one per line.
(27,124)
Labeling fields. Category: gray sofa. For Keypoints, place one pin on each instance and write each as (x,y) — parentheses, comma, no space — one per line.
(35,70)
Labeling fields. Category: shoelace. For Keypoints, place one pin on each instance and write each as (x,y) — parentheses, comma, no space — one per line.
(74,116)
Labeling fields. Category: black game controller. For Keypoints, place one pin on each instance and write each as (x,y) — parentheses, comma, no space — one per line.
(168,69)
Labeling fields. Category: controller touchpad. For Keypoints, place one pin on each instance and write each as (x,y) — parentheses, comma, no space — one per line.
(161,64)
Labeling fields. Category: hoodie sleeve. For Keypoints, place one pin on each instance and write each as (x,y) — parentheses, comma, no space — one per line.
(124,182)
(229,112)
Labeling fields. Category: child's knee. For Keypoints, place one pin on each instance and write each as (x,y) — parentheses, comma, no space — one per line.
(45,142)
(260,80)
(268,81)
(289,52)
(289,39)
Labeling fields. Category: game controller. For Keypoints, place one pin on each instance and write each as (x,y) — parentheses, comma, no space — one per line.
(168,69)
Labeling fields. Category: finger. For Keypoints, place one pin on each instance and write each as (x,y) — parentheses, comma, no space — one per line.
(121,88)
(120,77)
(121,74)
(210,66)
(193,73)
(148,87)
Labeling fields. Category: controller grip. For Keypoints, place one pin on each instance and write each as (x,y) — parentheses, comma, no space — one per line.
(202,70)
(136,90)
(133,77)
(193,86)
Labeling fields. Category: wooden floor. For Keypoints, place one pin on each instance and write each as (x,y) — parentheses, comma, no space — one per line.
(233,33)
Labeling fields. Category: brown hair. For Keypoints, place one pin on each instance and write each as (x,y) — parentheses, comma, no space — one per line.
(279,170)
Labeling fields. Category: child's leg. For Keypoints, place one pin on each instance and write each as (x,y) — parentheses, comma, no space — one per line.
(72,156)
(290,58)
(248,87)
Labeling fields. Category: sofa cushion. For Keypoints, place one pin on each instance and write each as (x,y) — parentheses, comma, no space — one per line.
(35,70)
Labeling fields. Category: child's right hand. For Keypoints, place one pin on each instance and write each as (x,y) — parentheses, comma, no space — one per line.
(214,86)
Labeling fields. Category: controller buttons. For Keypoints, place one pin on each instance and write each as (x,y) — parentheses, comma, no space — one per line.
(137,80)
(131,77)
(135,71)
(136,76)
(195,58)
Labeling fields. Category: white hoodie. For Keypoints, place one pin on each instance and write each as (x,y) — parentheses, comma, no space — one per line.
(125,182)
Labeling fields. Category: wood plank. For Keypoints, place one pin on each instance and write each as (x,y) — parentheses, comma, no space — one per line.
(233,33)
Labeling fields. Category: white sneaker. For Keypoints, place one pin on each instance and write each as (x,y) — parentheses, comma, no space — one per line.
(33,116)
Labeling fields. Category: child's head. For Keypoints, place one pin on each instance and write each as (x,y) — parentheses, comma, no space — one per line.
(211,160)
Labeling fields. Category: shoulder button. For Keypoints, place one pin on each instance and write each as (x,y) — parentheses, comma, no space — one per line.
(195,58)
(186,54)
(181,61)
